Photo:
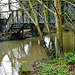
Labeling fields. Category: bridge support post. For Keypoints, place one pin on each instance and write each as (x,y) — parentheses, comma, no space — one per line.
(9,4)
(22,33)
(10,33)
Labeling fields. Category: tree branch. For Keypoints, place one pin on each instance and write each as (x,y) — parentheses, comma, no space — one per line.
(46,7)
(69,2)
(27,12)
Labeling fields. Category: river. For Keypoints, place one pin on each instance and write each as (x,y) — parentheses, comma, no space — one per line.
(12,53)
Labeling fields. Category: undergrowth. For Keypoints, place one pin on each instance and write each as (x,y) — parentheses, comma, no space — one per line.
(61,66)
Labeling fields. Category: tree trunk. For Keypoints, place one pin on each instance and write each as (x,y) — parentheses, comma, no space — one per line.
(37,24)
(45,14)
(58,23)
(74,41)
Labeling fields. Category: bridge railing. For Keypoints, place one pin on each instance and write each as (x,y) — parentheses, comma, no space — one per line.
(20,16)
(69,15)
(9,21)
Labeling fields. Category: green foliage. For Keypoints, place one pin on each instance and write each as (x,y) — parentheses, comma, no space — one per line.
(60,59)
(69,54)
(9,37)
(51,56)
(54,61)
(25,66)
(57,66)
(72,60)
(52,69)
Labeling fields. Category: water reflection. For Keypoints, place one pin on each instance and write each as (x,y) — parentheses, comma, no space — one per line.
(68,41)
(12,53)
(26,49)
(47,40)
(5,68)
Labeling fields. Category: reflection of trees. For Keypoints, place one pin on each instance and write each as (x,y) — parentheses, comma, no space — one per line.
(18,51)
(5,67)
(26,50)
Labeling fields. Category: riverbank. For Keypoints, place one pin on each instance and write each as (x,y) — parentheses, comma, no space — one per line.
(63,65)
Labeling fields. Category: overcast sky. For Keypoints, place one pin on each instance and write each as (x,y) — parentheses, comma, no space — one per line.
(6,8)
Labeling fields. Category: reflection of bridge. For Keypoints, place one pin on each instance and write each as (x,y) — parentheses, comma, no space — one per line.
(22,50)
